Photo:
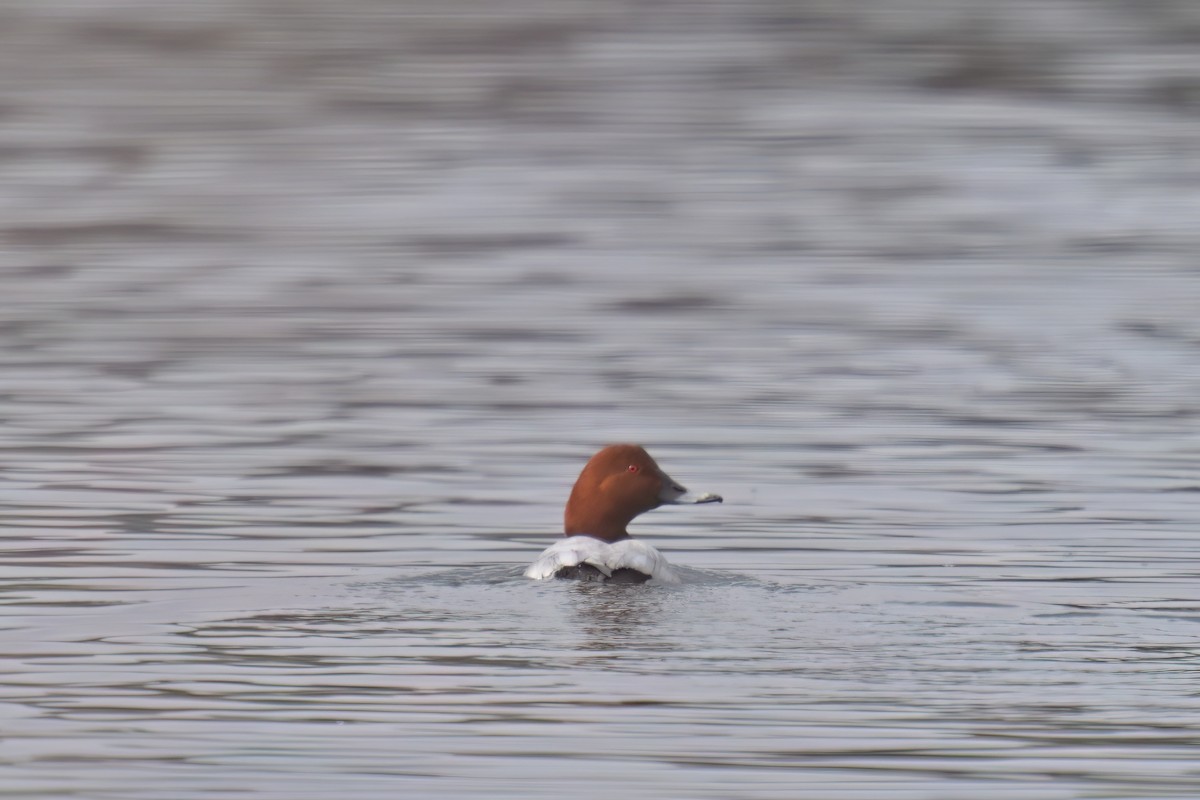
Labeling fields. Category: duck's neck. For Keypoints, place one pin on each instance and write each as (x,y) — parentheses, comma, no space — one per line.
(599,527)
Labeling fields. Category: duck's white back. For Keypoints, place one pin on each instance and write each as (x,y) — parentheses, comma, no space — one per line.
(604,556)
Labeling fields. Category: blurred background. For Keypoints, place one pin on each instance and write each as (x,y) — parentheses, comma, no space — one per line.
(294,290)
(571,221)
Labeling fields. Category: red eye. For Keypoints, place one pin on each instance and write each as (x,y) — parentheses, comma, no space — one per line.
(633,468)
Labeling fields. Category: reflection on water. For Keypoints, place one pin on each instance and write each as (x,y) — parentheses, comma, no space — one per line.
(310,316)
(609,622)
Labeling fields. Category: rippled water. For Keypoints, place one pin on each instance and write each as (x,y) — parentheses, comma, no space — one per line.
(311,315)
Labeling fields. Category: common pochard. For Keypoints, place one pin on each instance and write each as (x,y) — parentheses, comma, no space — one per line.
(617,484)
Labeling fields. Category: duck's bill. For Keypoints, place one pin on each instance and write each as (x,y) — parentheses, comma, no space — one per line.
(674,494)
(691,498)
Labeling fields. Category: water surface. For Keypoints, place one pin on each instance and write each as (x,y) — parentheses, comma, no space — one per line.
(311,316)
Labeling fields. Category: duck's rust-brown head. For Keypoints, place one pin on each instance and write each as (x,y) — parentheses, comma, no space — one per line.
(617,484)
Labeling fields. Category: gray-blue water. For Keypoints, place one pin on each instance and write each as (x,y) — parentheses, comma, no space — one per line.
(310,313)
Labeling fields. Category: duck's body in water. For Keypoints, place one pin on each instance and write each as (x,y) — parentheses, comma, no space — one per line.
(617,484)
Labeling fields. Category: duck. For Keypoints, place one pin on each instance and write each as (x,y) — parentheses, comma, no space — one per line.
(617,484)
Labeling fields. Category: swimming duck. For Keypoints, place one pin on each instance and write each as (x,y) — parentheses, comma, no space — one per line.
(618,483)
